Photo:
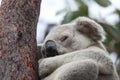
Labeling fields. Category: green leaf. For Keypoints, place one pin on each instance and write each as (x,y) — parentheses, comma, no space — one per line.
(67,17)
(115,33)
(83,10)
(118,12)
(71,15)
(79,2)
(117,47)
(118,26)
(103,3)
(108,39)
(61,11)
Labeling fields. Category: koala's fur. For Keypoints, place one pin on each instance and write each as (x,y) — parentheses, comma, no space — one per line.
(82,55)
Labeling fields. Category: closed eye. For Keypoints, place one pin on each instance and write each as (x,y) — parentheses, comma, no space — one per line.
(63,38)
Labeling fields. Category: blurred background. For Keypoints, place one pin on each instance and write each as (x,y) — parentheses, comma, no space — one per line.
(105,12)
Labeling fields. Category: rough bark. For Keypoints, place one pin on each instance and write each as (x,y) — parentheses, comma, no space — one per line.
(18,49)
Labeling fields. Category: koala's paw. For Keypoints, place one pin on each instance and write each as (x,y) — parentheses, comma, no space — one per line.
(42,68)
(46,67)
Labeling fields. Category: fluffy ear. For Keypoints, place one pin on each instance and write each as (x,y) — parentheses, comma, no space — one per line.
(90,28)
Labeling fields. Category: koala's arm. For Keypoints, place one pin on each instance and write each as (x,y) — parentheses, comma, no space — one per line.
(105,65)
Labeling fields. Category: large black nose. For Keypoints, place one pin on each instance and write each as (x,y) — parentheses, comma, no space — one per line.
(50,48)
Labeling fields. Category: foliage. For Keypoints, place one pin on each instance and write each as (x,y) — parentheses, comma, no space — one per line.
(103,3)
(70,15)
(112,41)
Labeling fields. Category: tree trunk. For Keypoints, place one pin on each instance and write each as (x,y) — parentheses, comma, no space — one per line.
(18,49)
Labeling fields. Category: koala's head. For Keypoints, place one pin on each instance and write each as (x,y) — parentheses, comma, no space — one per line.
(72,36)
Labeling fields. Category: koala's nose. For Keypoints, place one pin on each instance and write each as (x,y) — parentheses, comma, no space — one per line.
(50,48)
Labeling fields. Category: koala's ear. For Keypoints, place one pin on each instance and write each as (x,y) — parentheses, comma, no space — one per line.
(90,28)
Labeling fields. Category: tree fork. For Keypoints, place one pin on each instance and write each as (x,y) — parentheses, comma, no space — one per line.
(18,48)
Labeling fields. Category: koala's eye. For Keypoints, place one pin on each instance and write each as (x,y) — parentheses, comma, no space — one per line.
(63,38)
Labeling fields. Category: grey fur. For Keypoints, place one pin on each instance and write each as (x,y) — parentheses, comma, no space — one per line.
(82,55)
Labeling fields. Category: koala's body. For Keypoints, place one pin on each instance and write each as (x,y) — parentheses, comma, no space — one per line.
(74,51)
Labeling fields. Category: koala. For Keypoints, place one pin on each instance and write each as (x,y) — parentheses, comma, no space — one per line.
(74,51)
